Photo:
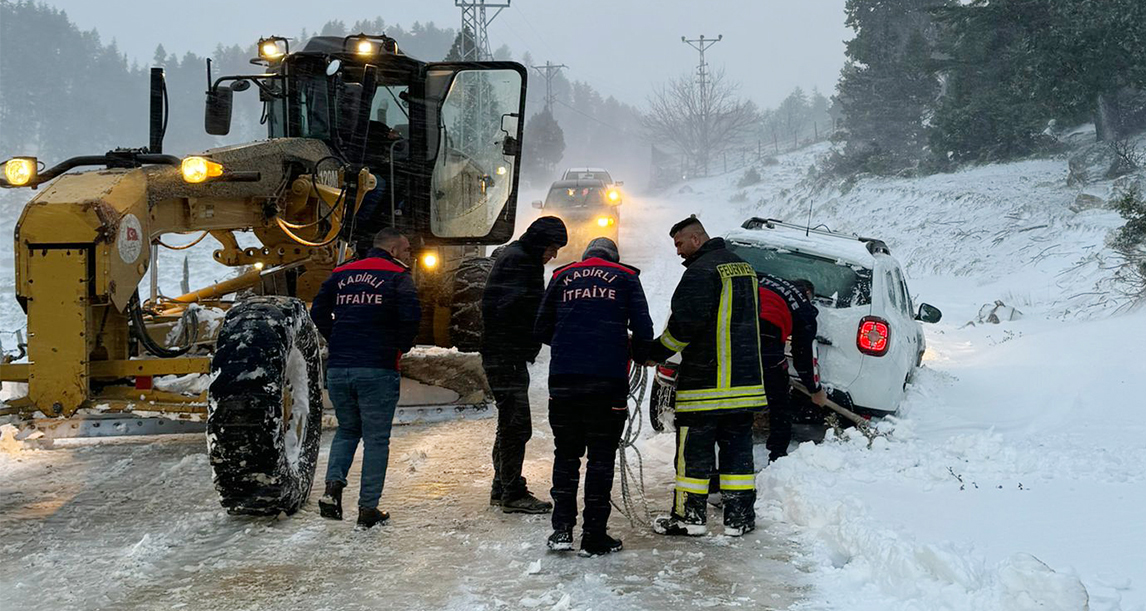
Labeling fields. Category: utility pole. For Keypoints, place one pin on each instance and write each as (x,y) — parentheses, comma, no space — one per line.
(701,45)
(474,20)
(549,71)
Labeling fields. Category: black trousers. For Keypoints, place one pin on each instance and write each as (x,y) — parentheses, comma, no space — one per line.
(584,425)
(697,437)
(509,381)
(778,388)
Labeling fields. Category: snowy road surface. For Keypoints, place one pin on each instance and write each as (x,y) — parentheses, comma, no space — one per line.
(137,525)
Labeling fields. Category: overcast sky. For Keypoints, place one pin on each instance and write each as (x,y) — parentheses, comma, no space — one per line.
(622,47)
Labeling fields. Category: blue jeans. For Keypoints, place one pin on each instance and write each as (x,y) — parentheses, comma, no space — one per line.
(364,402)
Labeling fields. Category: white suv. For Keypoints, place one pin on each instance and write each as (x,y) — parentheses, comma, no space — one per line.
(869,340)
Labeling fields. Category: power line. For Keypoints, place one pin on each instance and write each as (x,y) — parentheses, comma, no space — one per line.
(701,45)
(549,71)
(474,19)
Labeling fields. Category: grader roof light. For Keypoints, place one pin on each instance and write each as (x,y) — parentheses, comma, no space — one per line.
(199,169)
(20,171)
(364,47)
(273,48)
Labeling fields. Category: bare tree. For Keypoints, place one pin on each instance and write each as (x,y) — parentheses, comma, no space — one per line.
(700,124)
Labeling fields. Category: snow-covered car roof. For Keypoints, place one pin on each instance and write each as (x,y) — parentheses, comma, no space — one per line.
(819,242)
(586,170)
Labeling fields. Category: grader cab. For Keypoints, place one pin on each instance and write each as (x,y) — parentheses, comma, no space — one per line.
(360,137)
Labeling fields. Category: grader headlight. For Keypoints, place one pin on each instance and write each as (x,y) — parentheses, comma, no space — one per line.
(273,49)
(365,47)
(20,171)
(430,260)
(199,169)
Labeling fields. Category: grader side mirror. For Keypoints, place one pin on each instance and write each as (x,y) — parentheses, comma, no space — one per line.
(510,147)
(217,118)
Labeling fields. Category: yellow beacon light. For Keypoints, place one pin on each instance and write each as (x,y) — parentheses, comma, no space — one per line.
(19,171)
(199,169)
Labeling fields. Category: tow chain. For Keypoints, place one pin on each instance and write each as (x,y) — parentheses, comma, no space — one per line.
(630,478)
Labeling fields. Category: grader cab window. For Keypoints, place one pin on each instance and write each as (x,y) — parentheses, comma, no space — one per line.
(472,179)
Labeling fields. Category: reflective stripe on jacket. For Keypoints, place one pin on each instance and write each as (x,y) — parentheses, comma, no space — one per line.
(715,326)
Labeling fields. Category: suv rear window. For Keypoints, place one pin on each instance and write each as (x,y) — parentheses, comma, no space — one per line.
(837,284)
(602,176)
(574,197)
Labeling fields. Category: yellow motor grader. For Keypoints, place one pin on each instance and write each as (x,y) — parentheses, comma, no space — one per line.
(360,137)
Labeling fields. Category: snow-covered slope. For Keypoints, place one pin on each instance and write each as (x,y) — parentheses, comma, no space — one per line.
(1013,476)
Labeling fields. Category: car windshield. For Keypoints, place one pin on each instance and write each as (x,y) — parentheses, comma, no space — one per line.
(574,197)
(838,284)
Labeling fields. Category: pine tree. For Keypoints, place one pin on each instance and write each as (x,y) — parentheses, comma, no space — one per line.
(887,88)
(544,145)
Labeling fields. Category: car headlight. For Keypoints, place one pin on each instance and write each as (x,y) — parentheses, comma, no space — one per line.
(19,171)
(605,221)
(614,195)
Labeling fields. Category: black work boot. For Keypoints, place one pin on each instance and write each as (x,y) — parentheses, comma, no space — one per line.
(560,540)
(369,517)
(330,505)
(526,504)
(598,544)
(739,530)
(675,527)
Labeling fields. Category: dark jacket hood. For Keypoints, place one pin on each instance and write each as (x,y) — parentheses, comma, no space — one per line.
(543,232)
(603,248)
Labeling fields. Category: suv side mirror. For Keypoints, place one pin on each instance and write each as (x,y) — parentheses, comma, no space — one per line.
(619,183)
(217,118)
(928,313)
(537,204)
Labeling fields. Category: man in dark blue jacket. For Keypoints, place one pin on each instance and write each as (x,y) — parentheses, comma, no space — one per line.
(508,307)
(586,316)
(368,312)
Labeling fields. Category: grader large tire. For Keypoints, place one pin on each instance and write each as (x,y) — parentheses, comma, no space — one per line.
(264,417)
(465,308)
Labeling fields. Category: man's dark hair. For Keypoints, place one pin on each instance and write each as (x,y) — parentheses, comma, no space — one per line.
(386,237)
(805,285)
(692,220)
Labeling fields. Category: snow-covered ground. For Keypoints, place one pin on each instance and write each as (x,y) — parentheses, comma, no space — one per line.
(1012,479)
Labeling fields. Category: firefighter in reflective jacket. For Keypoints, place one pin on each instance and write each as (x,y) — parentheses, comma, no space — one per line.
(786,311)
(714,324)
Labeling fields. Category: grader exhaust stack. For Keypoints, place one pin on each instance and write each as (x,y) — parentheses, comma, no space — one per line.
(360,137)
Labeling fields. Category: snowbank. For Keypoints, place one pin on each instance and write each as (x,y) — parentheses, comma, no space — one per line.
(1013,476)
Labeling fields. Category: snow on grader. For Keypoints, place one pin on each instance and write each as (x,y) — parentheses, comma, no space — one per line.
(360,137)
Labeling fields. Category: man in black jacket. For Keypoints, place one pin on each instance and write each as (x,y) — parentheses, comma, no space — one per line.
(368,311)
(586,316)
(509,307)
(786,311)
(714,324)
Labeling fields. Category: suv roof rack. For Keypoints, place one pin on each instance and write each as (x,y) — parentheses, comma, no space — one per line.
(874,246)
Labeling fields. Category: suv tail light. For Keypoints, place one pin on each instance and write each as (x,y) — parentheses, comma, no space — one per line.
(873,336)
